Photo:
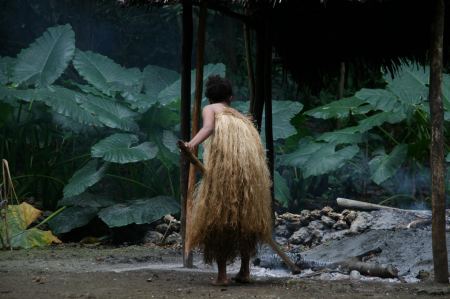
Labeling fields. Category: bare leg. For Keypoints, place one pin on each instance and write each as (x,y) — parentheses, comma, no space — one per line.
(244,273)
(222,279)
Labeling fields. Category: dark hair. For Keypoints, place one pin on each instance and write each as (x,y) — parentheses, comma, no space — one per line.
(218,89)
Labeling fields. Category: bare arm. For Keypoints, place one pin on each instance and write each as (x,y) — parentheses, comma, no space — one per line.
(206,130)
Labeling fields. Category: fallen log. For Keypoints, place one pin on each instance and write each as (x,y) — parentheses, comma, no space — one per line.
(350,203)
(196,162)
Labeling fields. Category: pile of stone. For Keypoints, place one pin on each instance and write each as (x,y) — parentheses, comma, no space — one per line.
(310,228)
(165,232)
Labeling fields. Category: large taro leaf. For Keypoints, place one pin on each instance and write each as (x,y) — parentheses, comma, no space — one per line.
(87,199)
(6,69)
(157,78)
(319,158)
(105,74)
(118,148)
(109,112)
(384,166)
(47,58)
(282,113)
(84,178)
(379,119)
(409,84)
(381,99)
(282,193)
(347,135)
(19,217)
(139,101)
(172,92)
(448,158)
(139,211)
(170,141)
(65,102)
(337,109)
(72,217)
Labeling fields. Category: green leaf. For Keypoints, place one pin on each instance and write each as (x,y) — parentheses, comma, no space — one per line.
(108,112)
(172,92)
(33,237)
(117,148)
(84,178)
(6,69)
(170,141)
(383,166)
(106,75)
(140,211)
(140,101)
(379,119)
(72,217)
(348,135)
(319,158)
(446,91)
(282,113)
(409,84)
(156,79)
(380,99)
(282,193)
(87,199)
(337,109)
(47,58)
(448,158)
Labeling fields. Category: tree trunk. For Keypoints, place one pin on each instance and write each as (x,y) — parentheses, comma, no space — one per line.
(185,109)
(196,111)
(437,163)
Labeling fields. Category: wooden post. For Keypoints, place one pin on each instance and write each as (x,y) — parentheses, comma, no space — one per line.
(196,112)
(185,110)
(437,163)
(341,80)
(268,101)
(249,60)
(259,69)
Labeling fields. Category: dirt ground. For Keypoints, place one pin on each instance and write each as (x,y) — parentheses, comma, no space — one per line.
(73,271)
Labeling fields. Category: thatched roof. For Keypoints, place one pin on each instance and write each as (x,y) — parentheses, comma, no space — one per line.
(313,36)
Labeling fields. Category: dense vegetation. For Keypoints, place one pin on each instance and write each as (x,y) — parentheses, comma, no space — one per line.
(83,132)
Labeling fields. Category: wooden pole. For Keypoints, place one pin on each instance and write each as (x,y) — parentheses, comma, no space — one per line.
(268,102)
(440,258)
(185,110)
(259,78)
(249,60)
(196,112)
(341,80)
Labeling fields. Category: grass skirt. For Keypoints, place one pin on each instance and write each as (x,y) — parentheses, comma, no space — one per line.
(232,203)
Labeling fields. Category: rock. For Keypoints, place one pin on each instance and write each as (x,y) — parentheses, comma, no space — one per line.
(361,223)
(306,214)
(163,228)
(316,224)
(302,236)
(174,238)
(316,236)
(334,235)
(355,275)
(315,214)
(326,210)
(281,240)
(327,221)
(294,226)
(282,231)
(423,275)
(350,217)
(345,212)
(169,218)
(153,237)
(340,224)
(335,216)
(290,217)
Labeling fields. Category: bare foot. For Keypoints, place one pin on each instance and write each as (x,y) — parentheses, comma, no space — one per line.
(221,282)
(242,278)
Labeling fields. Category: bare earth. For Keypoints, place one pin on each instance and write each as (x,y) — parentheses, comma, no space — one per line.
(70,271)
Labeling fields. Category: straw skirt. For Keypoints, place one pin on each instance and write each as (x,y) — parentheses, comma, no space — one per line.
(232,203)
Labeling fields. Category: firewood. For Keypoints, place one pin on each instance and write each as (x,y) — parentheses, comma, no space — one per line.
(350,203)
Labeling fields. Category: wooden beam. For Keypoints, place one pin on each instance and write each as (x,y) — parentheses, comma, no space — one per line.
(440,258)
(185,110)
(196,111)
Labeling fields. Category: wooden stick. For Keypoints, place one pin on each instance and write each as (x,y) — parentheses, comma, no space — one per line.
(349,203)
(195,161)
